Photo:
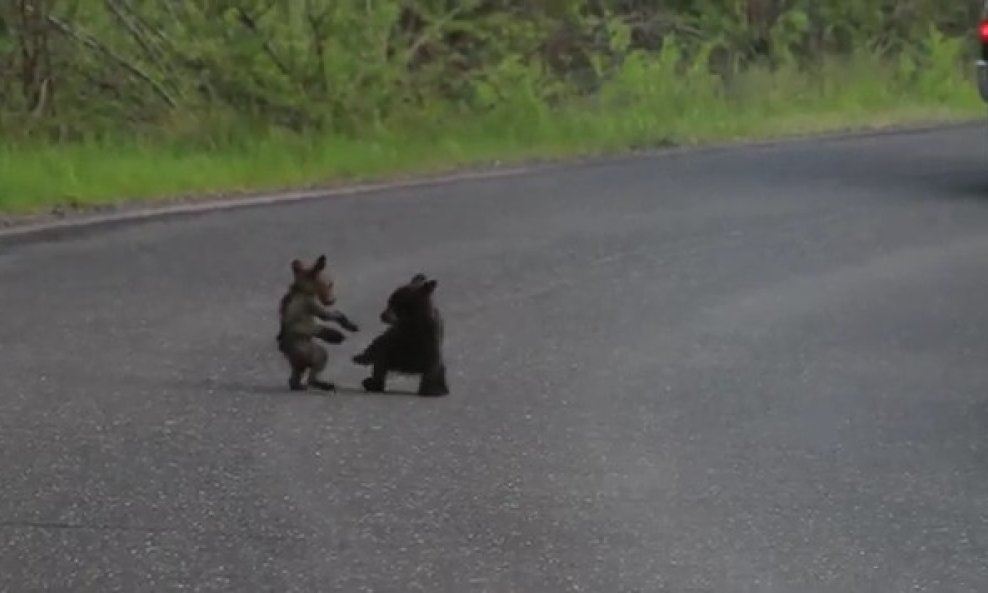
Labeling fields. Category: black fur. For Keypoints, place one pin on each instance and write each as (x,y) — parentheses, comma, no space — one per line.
(413,342)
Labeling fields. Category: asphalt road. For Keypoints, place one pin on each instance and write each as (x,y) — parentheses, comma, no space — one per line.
(746,370)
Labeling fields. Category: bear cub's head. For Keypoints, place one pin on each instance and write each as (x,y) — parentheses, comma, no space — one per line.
(314,280)
(410,302)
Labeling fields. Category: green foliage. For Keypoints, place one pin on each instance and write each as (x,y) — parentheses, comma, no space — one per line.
(97,96)
(345,66)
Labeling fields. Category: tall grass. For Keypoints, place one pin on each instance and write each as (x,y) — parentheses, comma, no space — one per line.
(650,99)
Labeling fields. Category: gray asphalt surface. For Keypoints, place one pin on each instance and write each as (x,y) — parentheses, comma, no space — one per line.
(748,370)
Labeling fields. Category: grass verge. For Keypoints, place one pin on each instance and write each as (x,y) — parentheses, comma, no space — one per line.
(651,102)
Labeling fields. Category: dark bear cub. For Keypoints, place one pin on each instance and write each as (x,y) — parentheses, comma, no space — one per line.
(307,299)
(413,342)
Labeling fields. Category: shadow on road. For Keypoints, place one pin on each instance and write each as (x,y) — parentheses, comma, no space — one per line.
(341,390)
(278,389)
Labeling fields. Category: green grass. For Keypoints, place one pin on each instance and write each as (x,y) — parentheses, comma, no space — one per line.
(648,104)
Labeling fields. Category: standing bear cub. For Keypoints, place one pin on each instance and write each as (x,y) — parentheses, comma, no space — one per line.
(307,299)
(413,342)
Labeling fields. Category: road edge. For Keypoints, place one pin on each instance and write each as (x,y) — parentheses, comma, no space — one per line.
(146,211)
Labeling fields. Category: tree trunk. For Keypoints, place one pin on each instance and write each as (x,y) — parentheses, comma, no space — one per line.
(30,29)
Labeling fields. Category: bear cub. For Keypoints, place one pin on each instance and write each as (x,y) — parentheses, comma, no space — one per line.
(308,301)
(413,342)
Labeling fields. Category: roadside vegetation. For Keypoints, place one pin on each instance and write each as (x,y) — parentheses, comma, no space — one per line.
(109,100)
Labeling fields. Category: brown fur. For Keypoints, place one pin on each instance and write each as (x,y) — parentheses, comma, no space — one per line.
(413,342)
(307,300)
